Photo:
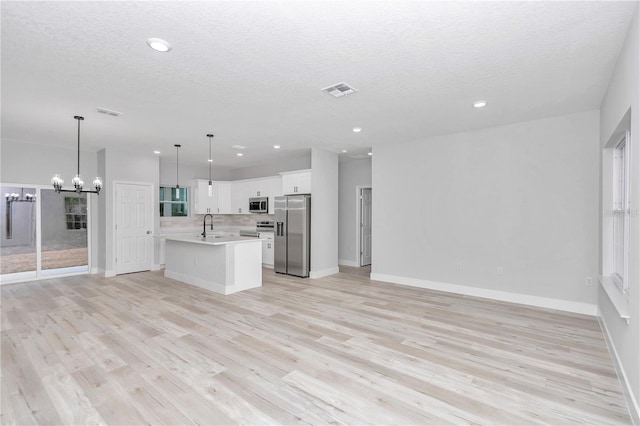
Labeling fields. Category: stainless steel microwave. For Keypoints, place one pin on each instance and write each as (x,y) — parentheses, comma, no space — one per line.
(259,205)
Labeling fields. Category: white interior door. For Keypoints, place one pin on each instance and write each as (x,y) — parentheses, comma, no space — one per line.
(134,225)
(365,227)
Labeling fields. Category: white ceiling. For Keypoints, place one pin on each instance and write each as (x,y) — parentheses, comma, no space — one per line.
(251,72)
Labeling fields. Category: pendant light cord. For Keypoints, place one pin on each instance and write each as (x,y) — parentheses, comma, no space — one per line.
(77,117)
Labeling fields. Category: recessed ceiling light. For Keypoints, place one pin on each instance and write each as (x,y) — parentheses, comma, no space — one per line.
(156,152)
(344,151)
(239,154)
(357,129)
(158,44)
(210,160)
(479,104)
(369,153)
(276,146)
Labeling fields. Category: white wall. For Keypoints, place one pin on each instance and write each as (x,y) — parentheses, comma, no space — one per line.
(353,173)
(523,197)
(624,93)
(324,213)
(271,168)
(188,172)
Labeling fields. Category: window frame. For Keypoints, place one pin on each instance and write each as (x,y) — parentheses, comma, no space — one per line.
(185,202)
(621,207)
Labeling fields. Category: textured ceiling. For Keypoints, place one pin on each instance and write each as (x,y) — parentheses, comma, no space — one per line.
(251,72)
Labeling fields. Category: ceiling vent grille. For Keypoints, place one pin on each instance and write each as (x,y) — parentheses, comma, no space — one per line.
(108,112)
(360,156)
(339,90)
(238,147)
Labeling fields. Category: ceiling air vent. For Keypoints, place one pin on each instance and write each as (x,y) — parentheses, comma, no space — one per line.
(339,90)
(108,112)
(238,146)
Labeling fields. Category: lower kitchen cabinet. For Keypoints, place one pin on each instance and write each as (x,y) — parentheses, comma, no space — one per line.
(267,249)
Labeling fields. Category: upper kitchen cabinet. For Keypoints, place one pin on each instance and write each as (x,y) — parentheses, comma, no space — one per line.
(202,203)
(275,190)
(298,182)
(241,191)
(218,203)
(222,190)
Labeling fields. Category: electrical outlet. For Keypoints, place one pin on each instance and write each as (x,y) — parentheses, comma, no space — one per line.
(459,266)
(500,271)
(588,281)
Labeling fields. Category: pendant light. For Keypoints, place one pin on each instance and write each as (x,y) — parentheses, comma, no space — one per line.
(57,181)
(210,161)
(177,189)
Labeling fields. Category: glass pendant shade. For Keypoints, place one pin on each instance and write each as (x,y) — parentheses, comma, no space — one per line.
(210,189)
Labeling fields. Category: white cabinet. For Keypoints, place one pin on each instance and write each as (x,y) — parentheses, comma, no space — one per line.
(274,185)
(218,203)
(296,182)
(222,192)
(202,203)
(240,193)
(267,248)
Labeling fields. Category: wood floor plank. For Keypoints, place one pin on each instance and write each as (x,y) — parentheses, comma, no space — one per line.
(141,348)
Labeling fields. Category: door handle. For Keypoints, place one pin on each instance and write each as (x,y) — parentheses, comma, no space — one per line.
(148,232)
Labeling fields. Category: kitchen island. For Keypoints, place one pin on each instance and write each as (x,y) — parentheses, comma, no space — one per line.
(221,264)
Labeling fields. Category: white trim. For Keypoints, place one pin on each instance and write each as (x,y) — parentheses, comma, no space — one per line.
(627,390)
(324,272)
(40,278)
(18,277)
(109,273)
(346,262)
(523,299)
(156,267)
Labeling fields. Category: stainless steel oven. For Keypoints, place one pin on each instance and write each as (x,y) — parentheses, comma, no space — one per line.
(259,205)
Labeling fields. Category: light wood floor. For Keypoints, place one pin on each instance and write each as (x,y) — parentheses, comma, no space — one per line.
(142,349)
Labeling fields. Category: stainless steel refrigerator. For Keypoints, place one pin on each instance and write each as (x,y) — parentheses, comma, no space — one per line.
(292,235)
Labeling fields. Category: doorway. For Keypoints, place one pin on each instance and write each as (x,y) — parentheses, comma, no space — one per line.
(364,226)
(134,226)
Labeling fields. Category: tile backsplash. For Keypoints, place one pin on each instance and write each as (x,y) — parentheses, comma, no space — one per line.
(218,220)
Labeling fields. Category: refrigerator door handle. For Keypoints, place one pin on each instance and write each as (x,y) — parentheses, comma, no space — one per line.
(280,229)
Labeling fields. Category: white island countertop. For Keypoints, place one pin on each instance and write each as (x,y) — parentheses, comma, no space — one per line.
(214,240)
(223,264)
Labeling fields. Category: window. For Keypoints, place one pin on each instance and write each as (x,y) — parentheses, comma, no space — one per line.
(174,202)
(621,213)
(75,210)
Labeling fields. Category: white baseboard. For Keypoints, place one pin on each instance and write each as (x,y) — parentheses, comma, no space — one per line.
(108,273)
(156,267)
(94,271)
(324,272)
(346,262)
(523,299)
(265,265)
(631,400)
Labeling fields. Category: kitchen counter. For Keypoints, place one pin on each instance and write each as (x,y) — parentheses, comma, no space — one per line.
(222,264)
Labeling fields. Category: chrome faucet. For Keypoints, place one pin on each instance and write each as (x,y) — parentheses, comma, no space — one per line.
(204,224)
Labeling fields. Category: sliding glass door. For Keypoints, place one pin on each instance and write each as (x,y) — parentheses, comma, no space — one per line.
(18,251)
(64,232)
(43,233)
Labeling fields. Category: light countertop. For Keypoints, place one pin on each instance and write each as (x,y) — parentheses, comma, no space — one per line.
(213,240)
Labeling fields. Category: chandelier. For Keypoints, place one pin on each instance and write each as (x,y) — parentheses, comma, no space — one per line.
(78,184)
